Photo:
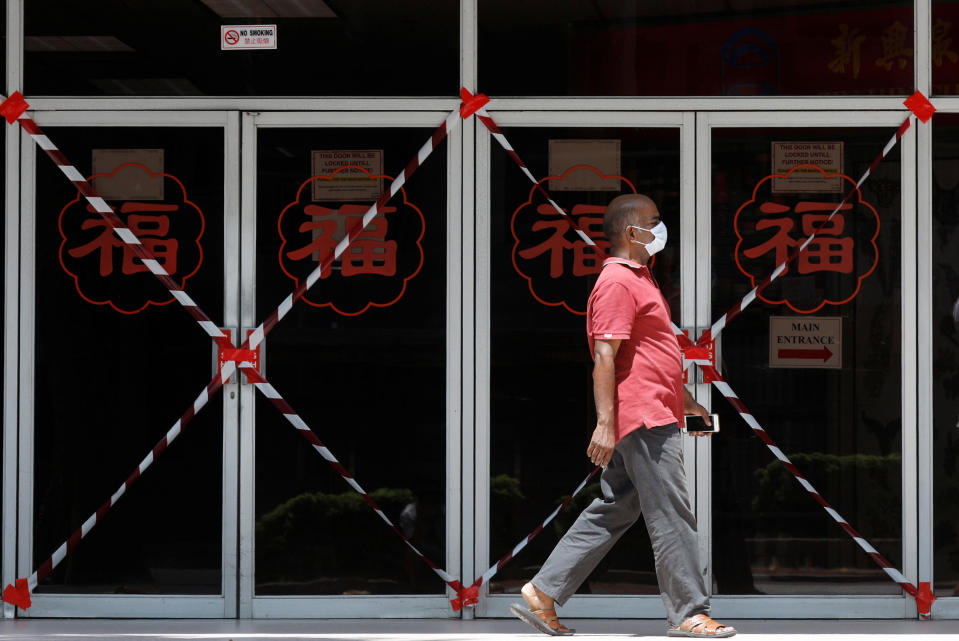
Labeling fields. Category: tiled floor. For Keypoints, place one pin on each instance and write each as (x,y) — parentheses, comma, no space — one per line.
(432,630)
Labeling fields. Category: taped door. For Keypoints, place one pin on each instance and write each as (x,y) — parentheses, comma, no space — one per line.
(534,388)
(110,362)
(820,359)
(368,358)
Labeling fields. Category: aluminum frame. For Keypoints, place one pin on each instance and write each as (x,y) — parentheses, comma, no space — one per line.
(356,606)
(945,607)
(100,605)
(839,606)
(11,311)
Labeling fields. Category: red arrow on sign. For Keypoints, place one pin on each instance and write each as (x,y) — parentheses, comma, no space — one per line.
(823,353)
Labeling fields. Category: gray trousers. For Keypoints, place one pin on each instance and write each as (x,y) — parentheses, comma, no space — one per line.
(645,476)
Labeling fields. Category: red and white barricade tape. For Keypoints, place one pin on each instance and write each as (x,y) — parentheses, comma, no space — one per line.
(471,594)
(920,108)
(466,596)
(452,121)
(304,430)
(19,594)
(923,594)
(14,110)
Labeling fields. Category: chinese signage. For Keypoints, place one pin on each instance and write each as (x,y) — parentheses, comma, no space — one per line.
(788,156)
(105,270)
(602,155)
(374,269)
(235,37)
(830,270)
(810,51)
(352,181)
(555,260)
(805,342)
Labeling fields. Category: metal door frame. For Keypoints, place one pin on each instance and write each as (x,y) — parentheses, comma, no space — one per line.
(335,606)
(108,605)
(832,606)
(476,439)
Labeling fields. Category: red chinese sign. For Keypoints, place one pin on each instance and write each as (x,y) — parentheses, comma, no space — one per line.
(106,271)
(803,51)
(549,254)
(769,227)
(374,269)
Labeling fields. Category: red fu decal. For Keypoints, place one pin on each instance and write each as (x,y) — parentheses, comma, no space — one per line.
(553,259)
(374,269)
(106,271)
(769,227)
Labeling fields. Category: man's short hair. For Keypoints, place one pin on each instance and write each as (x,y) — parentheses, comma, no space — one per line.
(619,214)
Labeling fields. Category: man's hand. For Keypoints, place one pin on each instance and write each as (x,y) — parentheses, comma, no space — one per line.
(690,406)
(601,446)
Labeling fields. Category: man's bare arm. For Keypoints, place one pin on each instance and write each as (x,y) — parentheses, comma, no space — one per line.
(600,449)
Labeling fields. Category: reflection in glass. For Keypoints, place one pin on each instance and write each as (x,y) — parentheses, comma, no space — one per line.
(945,350)
(542,410)
(104,395)
(322,48)
(753,48)
(836,415)
(945,53)
(361,358)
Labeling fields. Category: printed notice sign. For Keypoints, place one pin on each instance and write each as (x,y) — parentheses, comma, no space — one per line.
(348,172)
(118,174)
(602,156)
(805,342)
(234,37)
(787,156)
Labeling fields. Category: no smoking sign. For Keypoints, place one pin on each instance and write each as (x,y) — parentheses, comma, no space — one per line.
(247,36)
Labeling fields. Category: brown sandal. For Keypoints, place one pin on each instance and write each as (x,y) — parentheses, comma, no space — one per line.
(545,621)
(701,626)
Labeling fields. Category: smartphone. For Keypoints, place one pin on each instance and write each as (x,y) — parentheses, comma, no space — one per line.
(696,423)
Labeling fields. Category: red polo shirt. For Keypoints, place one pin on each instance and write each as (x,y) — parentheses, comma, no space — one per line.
(627,305)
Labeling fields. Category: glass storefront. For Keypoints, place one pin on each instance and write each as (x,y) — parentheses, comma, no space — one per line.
(442,359)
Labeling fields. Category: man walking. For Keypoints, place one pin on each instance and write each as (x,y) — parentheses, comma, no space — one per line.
(640,404)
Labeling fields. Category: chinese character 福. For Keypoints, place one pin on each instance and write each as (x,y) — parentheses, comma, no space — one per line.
(369,253)
(832,253)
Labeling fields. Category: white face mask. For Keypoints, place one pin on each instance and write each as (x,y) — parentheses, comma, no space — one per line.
(658,241)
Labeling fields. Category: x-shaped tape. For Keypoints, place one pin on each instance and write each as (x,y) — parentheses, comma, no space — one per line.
(701,353)
(13,109)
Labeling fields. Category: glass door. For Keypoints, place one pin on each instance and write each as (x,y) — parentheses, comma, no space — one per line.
(533,372)
(369,359)
(110,363)
(821,359)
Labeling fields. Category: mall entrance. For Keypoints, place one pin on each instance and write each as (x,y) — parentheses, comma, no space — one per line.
(437,359)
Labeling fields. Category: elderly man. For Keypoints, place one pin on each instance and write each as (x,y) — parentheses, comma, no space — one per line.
(640,406)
